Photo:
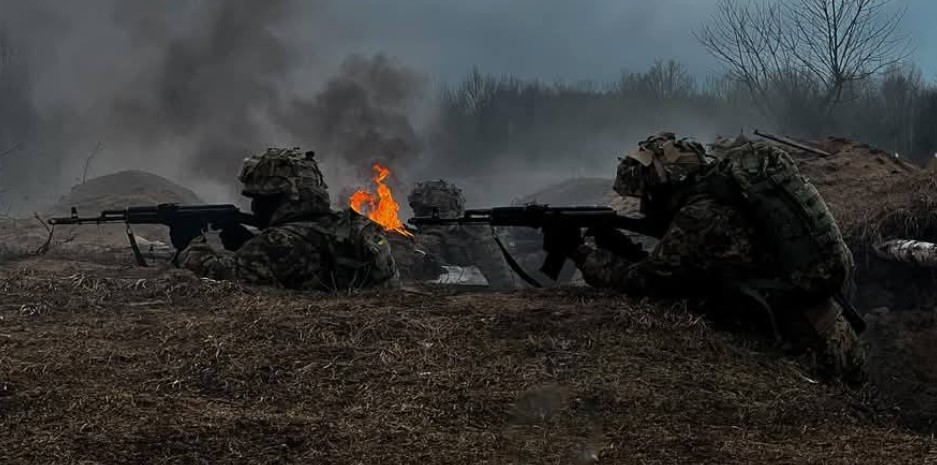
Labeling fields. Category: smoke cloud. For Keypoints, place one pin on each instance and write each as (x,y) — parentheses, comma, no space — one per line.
(362,116)
(187,90)
(208,85)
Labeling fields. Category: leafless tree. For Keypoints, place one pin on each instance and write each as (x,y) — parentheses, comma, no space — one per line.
(664,80)
(842,41)
(749,40)
(776,48)
(90,159)
(900,89)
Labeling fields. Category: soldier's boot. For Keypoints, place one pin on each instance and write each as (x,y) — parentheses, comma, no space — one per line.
(828,342)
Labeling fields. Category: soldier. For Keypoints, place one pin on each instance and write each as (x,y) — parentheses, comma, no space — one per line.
(302,243)
(744,229)
(458,245)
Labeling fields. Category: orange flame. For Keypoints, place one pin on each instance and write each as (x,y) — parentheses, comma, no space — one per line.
(382,208)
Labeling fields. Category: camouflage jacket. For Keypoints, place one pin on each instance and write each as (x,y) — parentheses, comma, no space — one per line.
(339,251)
(708,250)
(706,244)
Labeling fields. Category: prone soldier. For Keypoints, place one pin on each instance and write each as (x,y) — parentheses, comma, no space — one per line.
(302,243)
(460,245)
(744,229)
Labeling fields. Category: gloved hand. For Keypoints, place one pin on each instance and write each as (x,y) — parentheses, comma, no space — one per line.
(181,234)
(234,235)
(618,243)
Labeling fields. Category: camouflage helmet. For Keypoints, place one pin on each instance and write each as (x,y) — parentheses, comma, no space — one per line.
(659,160)
(723,144)
(439,196)
(286,172)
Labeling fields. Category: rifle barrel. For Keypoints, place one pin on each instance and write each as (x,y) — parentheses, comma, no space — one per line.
(792,143)
(86,220)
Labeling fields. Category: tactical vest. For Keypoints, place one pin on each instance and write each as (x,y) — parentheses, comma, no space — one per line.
(788,213)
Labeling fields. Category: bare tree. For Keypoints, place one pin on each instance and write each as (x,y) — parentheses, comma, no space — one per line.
(785,51)
(749,39)
(900,89)
(842,41)
(668,80)
(90,159)
(665,80)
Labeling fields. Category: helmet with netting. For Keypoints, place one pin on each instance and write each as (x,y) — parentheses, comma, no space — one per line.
(436,196)
(288,173)
(661,159)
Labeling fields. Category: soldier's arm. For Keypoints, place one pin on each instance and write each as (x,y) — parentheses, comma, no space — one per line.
(703,241)
(273,257)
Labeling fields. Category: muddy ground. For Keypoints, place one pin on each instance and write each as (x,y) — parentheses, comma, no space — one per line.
(103,362)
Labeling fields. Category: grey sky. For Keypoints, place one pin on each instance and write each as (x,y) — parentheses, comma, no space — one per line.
(130,73)
(549,39)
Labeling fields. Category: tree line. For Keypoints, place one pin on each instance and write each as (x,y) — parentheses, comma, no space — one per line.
(805,68)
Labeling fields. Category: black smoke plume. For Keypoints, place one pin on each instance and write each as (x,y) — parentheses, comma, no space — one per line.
(362,115)
(210,85)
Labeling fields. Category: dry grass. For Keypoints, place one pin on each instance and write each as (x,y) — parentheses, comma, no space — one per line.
(909,211)
(108,365)
(872,194)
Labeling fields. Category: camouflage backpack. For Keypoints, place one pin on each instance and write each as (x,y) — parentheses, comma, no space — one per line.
(788,212)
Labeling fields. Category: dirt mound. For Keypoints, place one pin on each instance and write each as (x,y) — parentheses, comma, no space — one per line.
(128,366)
(113,191)
(872,194)
(875,195)
(123,189)
(903,362)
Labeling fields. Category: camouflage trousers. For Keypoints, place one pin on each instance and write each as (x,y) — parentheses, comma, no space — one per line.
(811,328)
(821,337)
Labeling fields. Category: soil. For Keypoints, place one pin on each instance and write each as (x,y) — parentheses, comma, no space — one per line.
(103,362)
(872,194)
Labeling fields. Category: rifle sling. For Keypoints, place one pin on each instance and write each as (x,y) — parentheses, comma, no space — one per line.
(513,263)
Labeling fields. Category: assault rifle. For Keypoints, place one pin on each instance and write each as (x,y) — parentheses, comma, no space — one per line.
(549,219)
(202,217)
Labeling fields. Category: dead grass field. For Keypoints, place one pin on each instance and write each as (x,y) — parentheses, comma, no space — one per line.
(106,364)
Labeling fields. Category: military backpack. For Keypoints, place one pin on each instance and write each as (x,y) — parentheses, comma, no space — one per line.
(788,212)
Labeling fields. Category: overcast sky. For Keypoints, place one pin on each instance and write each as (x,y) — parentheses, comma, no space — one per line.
(549,39)
(166,83)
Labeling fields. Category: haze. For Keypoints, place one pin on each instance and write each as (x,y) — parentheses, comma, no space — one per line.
(185,89)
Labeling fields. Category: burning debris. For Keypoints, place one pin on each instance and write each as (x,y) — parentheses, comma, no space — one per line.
(381,208)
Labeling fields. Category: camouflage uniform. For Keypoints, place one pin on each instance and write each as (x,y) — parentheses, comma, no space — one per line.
(712,249)
(458,245)
(303,244)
